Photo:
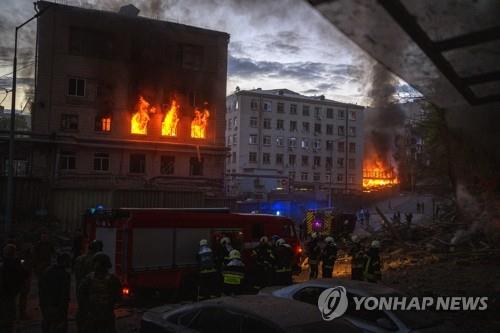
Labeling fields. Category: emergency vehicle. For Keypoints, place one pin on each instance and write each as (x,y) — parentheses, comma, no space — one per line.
(329,222)
(157,248)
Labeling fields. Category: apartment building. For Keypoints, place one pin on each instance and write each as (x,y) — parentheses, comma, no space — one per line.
(283,141)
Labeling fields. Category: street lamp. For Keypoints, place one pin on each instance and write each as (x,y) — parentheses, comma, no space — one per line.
(10,167)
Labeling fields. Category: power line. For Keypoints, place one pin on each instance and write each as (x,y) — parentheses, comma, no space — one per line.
(18,69)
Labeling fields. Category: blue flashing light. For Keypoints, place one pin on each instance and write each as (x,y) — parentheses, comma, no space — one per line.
(278,213)
(99,207)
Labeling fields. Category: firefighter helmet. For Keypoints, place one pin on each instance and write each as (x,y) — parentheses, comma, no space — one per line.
(203,242)
(225,240)
(234,254)
(96,246)
(280,242)
(355,239)
(329,240)
(314,235)
(264,239)
(375,244)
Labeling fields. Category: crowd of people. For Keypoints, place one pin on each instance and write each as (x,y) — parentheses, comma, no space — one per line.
(97,289)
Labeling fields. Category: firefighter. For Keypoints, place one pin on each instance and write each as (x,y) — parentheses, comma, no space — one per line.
(226,248)
(274,239)
(208,277)
(97,295)
(283,267)
(43,252)
(357,261)
(233,274)
(328,256)
(54,294)
(83,264)
(371,270)
(264,262)
(313,253)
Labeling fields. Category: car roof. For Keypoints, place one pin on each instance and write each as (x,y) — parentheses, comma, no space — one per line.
(358,287)
(280,311)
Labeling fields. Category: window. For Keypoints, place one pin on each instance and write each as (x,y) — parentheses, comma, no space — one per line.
(316,176)
(340,178)
(341,131)
(229,124)
(266,140)
(233,157)
(69,122)
(340,147)
(214,319)
(235,123)
(103,124)
(229,140)
(340,162)
(76,87)
(137,163)
(280,124)
(254,105)
(317,112)
(352,163)
(252,139)
(341,114)
(352,147)
(305,110)
(21,167)
(292,142)
(267,123)
(352,115)
(329,145)
(195,166)
(253,122)
(317,161)
(305,143)
(291,175)
(192,57)
(328,177)
(280,108)
(267,106)
(67,161)
(293,108)
(291,159)
(252,157)
(167,164)
(293,125)
(304,176)
(235,141)
(305,160)
(352,131)
(305,127)
(280,142)
(329,113)
(328,163)
(101,162)
(329,129)
(266,158)
(317,128)
(317,144)
(279,158)
(350,179)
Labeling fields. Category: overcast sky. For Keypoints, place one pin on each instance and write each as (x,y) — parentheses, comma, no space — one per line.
(274,44)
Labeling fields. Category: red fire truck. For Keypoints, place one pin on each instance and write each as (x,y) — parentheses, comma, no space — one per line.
(156,248)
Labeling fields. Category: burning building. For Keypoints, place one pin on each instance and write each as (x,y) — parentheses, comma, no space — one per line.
(127,103)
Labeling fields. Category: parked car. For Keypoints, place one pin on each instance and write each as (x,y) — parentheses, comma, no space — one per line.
(241,314)
(373,321)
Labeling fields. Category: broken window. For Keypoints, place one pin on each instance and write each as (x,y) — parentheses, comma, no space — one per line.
(167,166)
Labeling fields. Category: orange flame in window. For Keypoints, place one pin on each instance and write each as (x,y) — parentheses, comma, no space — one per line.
(169,124)
(199,123)
(376,175)
(140,119)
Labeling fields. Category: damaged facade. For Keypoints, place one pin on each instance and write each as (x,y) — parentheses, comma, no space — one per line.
(126,102)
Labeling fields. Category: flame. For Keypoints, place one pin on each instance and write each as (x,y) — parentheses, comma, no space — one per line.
(199,123)
(140,119)
(169,124)
(376,175)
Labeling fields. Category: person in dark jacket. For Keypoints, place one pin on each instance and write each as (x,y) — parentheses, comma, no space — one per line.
(84,263)
(313,253)
(233,274)
(328,257)
(283,265)
(264,262)
(97,296)
(371,270)
(223,252)
(43,252)
(357,259)
(12,279)
(208,277)
(54,291)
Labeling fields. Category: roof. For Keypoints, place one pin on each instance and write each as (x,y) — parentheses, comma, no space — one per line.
(288,94)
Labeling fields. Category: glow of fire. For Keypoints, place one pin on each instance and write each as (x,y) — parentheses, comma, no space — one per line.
(169,124)
(199,124)
(377,176)
(140,119)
